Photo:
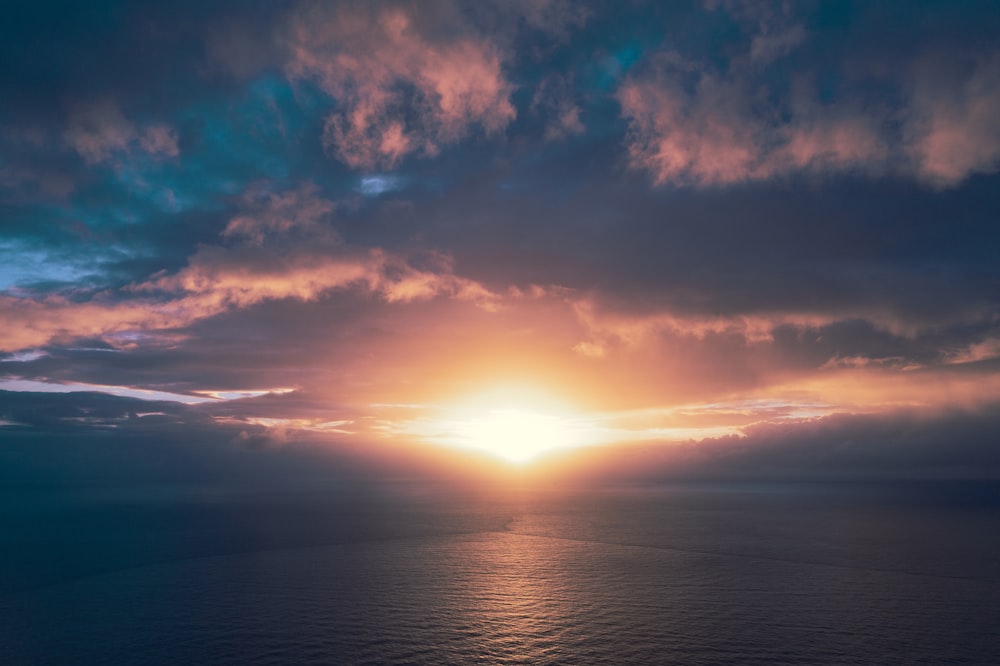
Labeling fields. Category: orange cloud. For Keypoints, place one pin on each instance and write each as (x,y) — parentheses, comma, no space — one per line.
(27,322)
(608,329)
(872,388)
(220,279)
(303,259)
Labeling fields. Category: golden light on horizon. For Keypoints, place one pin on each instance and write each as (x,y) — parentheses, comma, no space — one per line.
(514,435)
(513,423)
(522,422)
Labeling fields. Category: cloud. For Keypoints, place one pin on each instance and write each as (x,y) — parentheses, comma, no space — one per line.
(553,100)
(606,327)
(555,18)
(269,214)
(952,130)
(701,138)
(901,444)
(398,88)
(159,139)
(219,279)
(975,352)
(849,363)
(99,131)
(303,260)
(723,130)
(896,444)
(775,30)
(31,322)
(609,322)
(692,121)
(255,260)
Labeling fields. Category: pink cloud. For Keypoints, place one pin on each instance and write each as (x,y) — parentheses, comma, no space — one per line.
(304,259)
(159,140)
(554,100)
(269,214)
(218,280)
(607,330)
(396,90)
(775,32)
(983,350)
(832,143)
(724,131)
(690,123)
(99,131)
(702,139)
(895,362)
(23,182)
(673,142)
(31,322)
(953,129)
(556,18)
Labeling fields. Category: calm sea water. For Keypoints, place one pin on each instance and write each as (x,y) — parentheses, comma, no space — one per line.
(424,576)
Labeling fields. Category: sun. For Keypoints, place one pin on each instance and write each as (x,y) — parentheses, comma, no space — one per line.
(515,435)
(515,424)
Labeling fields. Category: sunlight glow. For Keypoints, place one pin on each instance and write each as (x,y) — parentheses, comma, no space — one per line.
(519,424)
(515,435)
(513,423)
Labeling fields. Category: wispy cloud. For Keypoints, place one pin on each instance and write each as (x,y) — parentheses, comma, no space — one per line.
(303,260)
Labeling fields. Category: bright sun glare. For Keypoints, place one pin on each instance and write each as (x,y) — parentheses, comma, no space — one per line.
(516,435)
(514,424)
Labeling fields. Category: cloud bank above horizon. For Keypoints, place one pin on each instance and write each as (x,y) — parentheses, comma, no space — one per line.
(321,224)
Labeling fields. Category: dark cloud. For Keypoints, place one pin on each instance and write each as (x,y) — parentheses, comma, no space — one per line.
(79,437)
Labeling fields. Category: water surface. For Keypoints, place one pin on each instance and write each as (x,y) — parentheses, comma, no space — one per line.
(421,575)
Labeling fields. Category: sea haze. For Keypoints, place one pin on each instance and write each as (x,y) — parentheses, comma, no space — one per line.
(428,574)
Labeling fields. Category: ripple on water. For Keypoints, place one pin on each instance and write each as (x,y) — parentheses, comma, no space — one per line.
(504,598)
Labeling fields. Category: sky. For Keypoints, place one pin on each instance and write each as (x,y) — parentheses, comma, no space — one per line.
(617,240)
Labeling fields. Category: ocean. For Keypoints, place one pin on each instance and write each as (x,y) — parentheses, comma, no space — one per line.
(426,574)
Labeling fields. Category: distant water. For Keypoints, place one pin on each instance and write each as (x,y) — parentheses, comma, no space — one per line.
(616,576)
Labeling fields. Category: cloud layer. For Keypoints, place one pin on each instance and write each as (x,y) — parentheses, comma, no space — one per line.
(695,123)
(744,224)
